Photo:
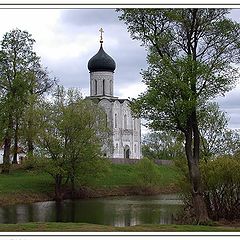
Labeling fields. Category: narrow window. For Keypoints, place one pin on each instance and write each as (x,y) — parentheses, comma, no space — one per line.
(135,148)
(115,120)
(103,87)
(95,87)
(134,124)
(125,121)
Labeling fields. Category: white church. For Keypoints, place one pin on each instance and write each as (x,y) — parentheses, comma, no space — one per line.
(125,129)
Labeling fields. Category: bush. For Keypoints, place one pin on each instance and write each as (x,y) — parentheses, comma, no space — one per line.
(221,181)
(221,188)
(30,163)
(147,174)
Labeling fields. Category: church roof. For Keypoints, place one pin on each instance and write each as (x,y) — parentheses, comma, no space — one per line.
(101,62)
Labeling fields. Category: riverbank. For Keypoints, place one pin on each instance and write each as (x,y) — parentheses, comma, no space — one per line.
(84,227)
(24,186)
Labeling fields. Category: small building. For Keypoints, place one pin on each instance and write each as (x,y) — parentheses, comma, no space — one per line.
(20,155)
(125,129)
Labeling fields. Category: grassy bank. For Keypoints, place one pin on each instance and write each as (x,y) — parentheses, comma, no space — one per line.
(83,227)
(22,186)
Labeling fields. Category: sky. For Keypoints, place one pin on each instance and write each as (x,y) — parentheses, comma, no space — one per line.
(67,38)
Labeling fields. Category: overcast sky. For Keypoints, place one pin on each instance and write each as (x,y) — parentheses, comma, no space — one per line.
(67,38)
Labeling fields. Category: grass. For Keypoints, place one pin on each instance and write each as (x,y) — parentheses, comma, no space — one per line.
(124,175)
(84,227)
(19,181)
(24,186)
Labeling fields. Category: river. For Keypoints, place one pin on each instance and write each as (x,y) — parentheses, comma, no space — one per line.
(115,211)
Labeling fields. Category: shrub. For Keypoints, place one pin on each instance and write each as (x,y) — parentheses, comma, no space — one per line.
(221,181)
(147,174)
(221,187)
(30,163)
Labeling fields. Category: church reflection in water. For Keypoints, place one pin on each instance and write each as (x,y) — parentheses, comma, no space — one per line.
(115,211)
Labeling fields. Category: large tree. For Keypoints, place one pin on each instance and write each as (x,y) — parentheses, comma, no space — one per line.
(21,75)
(71,134)
(191,56)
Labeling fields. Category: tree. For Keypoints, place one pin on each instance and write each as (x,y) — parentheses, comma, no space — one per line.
(163,145)
(72,133)
(217,140)
(21,75)
(147,174)
(190,55)
(213,124)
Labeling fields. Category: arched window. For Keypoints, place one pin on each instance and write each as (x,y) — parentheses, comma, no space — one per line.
(134,124)
(95,87)
(125,121)
(115,120)
(116,147)
(135,148)
(126,152)
(103,87)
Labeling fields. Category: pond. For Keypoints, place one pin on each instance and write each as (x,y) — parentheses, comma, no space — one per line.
(115,211)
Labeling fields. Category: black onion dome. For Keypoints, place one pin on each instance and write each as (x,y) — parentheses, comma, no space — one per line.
(101,62)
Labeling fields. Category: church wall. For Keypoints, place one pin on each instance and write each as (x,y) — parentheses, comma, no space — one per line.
(125,132)
(107,106)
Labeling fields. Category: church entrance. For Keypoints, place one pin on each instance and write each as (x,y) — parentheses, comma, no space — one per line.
(126,151)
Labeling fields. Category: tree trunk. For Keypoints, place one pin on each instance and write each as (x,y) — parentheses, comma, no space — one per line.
(7,147)
(6,155)
(30,146)
(30,138)
(15,147)
(72,186)
(192,147)
(58,188)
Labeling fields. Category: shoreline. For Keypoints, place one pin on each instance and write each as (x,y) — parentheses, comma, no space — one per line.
(7,199)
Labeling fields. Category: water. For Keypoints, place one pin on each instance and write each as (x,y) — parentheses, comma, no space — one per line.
(115,211)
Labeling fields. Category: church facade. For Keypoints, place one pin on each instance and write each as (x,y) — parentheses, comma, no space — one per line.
(125,129)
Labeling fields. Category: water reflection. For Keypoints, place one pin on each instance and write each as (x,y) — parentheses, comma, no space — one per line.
(116,211)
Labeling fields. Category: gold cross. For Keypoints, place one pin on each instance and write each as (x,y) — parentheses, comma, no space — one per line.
(101,36)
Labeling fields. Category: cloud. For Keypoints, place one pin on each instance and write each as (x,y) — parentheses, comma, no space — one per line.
(89,17)
(67,38)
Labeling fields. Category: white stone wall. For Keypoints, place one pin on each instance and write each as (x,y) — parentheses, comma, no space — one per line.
(97,80)
(126,129)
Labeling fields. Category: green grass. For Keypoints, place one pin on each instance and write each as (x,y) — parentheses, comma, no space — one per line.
(120,175)
(25,181)
(31,186)
(83,227)
(124,175)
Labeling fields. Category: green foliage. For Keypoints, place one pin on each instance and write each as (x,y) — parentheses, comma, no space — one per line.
(92,171)
(147,174)
(30,163)
(191,56)
(163,145)
(222,187)
(216,139)
(21,77)
(71,133)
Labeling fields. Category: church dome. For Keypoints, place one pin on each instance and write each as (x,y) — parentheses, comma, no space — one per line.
(101,62)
